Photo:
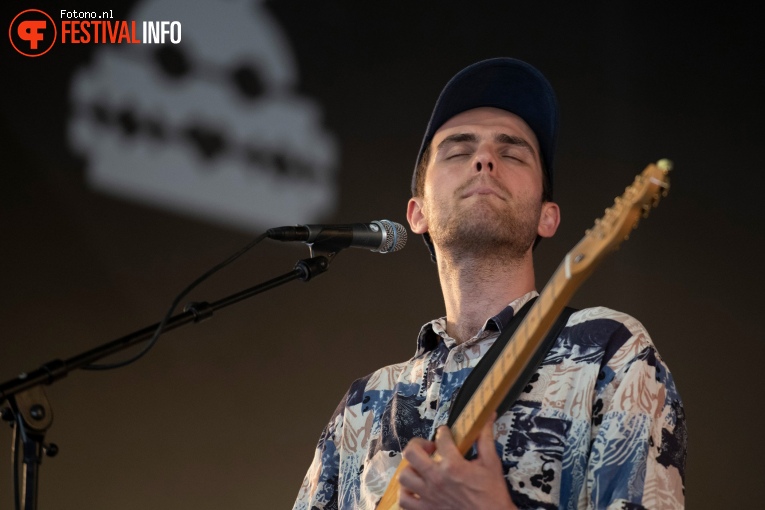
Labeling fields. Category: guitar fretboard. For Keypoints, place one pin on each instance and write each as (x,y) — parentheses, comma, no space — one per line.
(514,357)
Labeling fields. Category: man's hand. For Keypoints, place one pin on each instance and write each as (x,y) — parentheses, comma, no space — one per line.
(453,482)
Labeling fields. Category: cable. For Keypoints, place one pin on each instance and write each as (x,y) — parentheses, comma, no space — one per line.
(176,301)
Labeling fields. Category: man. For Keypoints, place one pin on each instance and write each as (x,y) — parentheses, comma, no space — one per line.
(600,424)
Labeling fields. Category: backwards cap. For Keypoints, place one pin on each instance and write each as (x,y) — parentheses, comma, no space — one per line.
(507,84)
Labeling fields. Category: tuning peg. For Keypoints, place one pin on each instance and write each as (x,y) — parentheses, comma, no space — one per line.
(665,165)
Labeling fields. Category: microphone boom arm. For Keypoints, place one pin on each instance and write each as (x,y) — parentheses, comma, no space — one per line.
(32,413)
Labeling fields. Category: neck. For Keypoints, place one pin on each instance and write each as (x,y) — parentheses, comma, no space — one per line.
(477,288)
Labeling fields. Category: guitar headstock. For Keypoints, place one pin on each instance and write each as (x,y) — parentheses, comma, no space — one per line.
(621,218)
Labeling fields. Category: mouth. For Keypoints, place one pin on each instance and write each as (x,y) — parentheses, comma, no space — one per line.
(482,186)
(483,190)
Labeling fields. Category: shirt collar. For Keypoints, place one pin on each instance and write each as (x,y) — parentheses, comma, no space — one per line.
(432,333)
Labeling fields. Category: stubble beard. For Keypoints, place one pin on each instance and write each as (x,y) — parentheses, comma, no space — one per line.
(487,228)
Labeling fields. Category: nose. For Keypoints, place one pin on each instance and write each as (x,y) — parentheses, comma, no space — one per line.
(484,160)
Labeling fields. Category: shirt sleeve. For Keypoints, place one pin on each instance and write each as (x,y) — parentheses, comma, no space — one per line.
(637,458)
(319,489)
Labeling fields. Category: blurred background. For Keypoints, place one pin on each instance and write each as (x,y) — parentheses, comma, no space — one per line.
(129,170)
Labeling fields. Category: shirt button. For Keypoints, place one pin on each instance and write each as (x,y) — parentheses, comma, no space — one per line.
(459,357)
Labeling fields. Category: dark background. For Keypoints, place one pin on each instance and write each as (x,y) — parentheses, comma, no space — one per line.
(226,414)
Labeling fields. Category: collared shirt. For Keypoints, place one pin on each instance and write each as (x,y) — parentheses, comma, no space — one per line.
(600,425)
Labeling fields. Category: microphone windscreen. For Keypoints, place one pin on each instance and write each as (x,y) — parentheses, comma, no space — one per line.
(395,236)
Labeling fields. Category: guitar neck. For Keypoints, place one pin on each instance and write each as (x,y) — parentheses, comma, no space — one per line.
(515,356)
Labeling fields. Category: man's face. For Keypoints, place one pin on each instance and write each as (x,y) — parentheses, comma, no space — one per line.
(483,185)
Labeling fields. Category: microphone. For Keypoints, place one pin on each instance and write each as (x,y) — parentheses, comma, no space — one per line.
(380,236)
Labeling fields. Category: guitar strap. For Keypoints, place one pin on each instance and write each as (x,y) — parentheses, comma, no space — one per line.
(475,377)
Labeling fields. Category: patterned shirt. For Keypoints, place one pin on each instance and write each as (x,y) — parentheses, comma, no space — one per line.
(600,425)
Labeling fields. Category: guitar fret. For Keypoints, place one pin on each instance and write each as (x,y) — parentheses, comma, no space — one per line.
(492,376)
(459,427)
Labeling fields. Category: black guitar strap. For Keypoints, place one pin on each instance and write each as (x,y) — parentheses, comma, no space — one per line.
(482,368)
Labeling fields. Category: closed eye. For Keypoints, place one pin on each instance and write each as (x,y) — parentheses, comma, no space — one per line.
(515,156)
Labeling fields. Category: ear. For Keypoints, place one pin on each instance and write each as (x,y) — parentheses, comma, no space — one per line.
(414,215)
(549,219)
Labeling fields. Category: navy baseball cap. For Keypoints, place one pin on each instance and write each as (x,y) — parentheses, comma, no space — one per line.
(507,84)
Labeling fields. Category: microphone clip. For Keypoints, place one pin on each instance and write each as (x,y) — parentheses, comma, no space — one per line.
(313,266)
(326,248)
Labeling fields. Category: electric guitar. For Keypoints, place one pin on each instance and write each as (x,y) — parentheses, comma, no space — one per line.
(604,237)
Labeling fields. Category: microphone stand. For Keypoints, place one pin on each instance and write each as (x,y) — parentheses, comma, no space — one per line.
(31,411)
